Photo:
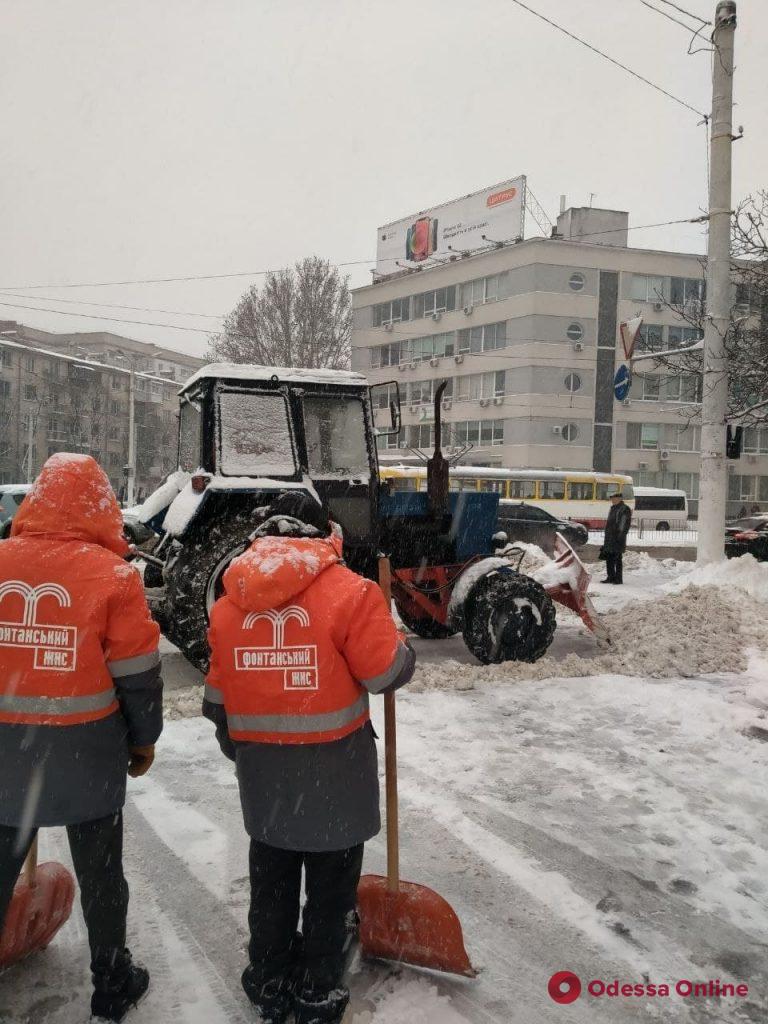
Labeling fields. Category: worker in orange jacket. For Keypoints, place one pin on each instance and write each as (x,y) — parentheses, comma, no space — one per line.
(80,701)
(298,642)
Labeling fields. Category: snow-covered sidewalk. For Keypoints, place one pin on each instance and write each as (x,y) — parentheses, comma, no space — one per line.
(610,824)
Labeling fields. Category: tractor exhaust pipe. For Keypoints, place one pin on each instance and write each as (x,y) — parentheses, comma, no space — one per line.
(437,465)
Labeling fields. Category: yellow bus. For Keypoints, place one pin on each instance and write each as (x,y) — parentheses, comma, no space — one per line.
(580,495)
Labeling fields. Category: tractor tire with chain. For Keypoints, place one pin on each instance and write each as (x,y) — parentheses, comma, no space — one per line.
(425,627)
(508,617)
(191,588)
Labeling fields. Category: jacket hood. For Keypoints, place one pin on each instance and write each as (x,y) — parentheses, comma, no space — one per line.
(72,498)
(275,569)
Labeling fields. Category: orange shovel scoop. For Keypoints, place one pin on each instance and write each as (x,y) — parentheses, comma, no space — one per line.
(40,905)
(401,920)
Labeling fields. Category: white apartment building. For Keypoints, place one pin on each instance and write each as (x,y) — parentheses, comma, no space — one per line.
(527,336)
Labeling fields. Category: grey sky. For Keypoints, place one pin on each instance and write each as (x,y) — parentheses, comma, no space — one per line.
(149,139)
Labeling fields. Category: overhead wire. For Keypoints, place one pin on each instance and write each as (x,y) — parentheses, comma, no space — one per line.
(605,56)
(110,305)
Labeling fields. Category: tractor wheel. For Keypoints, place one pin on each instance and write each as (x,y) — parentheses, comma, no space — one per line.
(430,629)
(194,582)
(508,617)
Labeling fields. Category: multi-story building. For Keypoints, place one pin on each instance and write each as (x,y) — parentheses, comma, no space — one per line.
(527,337)
(53,401)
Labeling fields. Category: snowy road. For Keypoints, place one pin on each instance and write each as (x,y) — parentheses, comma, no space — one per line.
(612,826)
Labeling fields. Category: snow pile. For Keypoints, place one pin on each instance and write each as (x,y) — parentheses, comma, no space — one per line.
(642,563)
(416,1001)
(744,573)
(182,509)
(696,632)
(162,497)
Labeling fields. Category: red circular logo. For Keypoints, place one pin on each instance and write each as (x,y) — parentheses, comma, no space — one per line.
(564,987)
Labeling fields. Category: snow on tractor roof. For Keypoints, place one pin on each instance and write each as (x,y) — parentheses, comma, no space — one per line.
(286,374)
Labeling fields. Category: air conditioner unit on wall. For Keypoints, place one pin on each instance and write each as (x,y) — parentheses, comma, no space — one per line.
(437,316)
(664,454)
(447,403)
(642,465)
(484,402)
(498,400)
(658,306)
(458,358)
(434,361)
(468,309)
(578,346)
(401,367)
(627,401)
(557,431)
(414,365)
(388,325)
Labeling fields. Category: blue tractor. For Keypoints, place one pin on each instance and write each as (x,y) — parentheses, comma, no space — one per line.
(248,433)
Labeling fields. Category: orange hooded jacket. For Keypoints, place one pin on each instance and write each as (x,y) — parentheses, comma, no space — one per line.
(298,642)
(73,617)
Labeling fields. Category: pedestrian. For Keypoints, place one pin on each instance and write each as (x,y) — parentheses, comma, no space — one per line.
(80,701)
(755,510)
(615,538)
(742,512)
(298,641)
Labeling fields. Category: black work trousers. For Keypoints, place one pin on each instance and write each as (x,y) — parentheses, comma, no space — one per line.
(97,855)
(328,921)
(614,567)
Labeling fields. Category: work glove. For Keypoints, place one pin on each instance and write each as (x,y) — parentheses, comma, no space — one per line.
(141,759)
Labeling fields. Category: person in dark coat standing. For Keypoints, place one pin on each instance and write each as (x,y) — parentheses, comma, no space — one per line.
(80,701)
(298,642)
(615,543)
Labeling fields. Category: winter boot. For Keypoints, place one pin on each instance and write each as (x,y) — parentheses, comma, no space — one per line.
(272,999)
(117,987)
(313,1007)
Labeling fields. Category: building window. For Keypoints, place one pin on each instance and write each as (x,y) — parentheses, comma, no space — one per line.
(113,434)
(576,282)
(391,312)
(647,288)
(116,384)
(487,338)
(681,337)
(570,432)
(30,392)
(573,382)
(433,346)
(483,289)
(575,332)
(6,359)
(114,408)
(29,363)
(686,291)
(439,300)
(474,386)
(650,338)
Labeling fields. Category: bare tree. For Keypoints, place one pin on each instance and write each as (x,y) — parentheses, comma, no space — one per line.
(746,341)
(302,316)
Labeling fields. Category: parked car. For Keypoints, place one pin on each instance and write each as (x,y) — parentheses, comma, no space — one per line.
(529,523)
(747,536)
(11,496)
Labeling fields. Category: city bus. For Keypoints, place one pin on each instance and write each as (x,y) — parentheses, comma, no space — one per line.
(580,495)
(660,508)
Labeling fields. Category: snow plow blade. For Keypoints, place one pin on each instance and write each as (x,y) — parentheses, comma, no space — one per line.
(40,905)
(566,581)
(401,920)
(413,925)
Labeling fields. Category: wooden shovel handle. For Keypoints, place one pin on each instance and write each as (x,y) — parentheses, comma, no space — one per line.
(390,756)
(30,864)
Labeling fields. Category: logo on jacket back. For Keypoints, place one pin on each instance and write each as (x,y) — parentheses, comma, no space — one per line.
(53,647)
(297,661)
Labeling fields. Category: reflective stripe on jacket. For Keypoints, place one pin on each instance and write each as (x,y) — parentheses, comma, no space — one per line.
(298,642)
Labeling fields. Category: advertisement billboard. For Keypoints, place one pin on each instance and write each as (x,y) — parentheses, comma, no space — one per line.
(496,212)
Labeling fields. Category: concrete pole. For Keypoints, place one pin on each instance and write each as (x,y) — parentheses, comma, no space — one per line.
(130,488)
(713,478)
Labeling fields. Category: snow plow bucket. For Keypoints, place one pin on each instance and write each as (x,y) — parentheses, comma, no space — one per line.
(40,905)
(566,580)
(401,920)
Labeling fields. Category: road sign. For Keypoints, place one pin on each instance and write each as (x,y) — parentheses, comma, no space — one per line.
(622,382)
(629,331)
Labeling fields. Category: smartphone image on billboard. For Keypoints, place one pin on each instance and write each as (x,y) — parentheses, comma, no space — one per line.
(421,239)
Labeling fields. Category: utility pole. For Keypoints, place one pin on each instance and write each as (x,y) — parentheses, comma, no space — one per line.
(131,481)
(713,478)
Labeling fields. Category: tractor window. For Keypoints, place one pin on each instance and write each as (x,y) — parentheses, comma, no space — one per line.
(336,436)
(189,436)
(255,435)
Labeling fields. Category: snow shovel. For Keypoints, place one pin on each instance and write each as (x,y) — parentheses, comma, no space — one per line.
(401,920)
(40,905)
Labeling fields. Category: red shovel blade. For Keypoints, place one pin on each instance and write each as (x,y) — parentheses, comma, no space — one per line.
(414,926)
(36,912)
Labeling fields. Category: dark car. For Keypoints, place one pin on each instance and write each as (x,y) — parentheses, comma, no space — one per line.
(534,525)
(747,536)
(11,496)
